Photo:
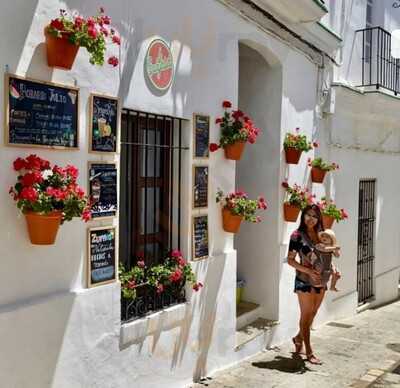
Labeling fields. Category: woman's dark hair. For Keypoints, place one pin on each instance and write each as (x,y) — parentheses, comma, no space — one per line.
(318,227)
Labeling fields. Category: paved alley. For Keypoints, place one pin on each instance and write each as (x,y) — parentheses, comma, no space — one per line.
(360,352)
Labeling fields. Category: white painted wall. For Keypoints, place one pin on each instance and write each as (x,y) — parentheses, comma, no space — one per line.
(59,333)
(70,336)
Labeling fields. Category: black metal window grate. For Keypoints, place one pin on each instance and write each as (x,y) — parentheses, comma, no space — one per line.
(366,229)
(150,197)
(378,67)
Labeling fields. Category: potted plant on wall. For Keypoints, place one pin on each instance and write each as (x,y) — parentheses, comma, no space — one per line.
(47,196)
(236,207)
(65,34)
(319,168)
(236,130)
(297,200)
(295,144)
(330,213)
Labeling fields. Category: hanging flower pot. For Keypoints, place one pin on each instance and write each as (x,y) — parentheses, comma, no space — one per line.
(292,155)
(230,222)
(236,129)
(65,34)
(317,175)
(236,206)
(61,52)
(290,212)
(47,196)
(327,221)
(234,151)
(43,228)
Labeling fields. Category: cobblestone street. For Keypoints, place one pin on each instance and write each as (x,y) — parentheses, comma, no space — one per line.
(359,352)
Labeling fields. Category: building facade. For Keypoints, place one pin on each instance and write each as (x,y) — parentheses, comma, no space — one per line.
(306,67)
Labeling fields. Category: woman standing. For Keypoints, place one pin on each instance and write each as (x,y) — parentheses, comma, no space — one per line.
(302,242)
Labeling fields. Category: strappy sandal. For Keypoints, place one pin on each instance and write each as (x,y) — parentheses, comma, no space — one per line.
(298,345)
(313,360)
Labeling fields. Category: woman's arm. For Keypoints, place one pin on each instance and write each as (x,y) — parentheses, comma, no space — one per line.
(291,259)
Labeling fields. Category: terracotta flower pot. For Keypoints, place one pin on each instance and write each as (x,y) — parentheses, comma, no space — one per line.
(60,52)
(43,229)
(292,155)
(234,151)
(317,175)
(290,212)
(327,221)
(230,222)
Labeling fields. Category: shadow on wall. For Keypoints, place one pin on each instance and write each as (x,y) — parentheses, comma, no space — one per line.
(21,12)
(33,341)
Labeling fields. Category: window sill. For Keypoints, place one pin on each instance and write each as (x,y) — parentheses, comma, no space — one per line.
(136,331)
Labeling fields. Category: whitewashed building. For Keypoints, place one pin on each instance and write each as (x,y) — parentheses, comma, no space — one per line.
(286,67)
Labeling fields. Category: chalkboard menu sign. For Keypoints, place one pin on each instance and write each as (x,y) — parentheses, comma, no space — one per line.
(200,237)
(41,114)
(103,123)
(201,135)
(103,189)
(200,187)
(101,256)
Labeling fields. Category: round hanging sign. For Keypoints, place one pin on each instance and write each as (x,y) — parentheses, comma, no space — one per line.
(159,64)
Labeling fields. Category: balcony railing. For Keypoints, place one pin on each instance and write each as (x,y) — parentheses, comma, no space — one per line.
(379,68)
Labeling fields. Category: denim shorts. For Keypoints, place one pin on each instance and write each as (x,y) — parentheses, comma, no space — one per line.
(301,285)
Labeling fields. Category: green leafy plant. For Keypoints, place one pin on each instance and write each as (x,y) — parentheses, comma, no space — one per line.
(321,164)
(235,126)
(298,141)
(329,208)
(239,204)
(298,196)
(43,189)
(171,275)
(91,33)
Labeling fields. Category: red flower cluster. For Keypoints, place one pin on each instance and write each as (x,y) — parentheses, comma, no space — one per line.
(43,189)
(197,286)
(235,126)
(297,196)
(79,29)
(176,276)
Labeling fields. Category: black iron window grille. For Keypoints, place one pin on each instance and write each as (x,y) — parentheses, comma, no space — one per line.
(378,68)
(365,246)
(150,197)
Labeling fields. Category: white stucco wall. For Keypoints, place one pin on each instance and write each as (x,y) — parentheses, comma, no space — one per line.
(51,327)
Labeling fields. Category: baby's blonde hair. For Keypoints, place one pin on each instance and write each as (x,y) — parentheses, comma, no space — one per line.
(330,233)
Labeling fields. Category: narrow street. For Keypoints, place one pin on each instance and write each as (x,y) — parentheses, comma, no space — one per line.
(359,352)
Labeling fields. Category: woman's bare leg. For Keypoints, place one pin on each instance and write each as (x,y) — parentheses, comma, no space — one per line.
(306,303)
(317,299)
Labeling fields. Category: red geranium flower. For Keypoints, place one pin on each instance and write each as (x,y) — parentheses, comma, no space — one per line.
(57,24)
(218,120)
(141,264)
(113,61)
(226,104)
(214,147)
(29,193)
(116,39)
(31,178)
(19,164)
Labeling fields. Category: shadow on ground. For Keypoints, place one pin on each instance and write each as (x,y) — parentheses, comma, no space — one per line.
(395,347)
(284,364)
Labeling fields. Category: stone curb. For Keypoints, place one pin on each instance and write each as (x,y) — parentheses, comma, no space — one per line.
(373,374)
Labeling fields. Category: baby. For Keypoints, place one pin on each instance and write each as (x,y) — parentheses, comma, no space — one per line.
(322,261)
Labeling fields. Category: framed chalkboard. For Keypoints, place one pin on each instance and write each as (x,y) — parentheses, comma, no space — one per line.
(40,114)
(200,237)
(201,136)
(102,265)
(104,123)
(103,189)
(200,187)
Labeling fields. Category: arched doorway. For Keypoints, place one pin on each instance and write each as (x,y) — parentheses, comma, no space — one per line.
(258,246)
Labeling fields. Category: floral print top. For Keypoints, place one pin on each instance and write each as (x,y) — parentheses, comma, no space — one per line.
(302,244)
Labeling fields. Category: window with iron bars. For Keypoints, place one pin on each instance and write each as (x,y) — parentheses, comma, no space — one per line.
(150,197)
